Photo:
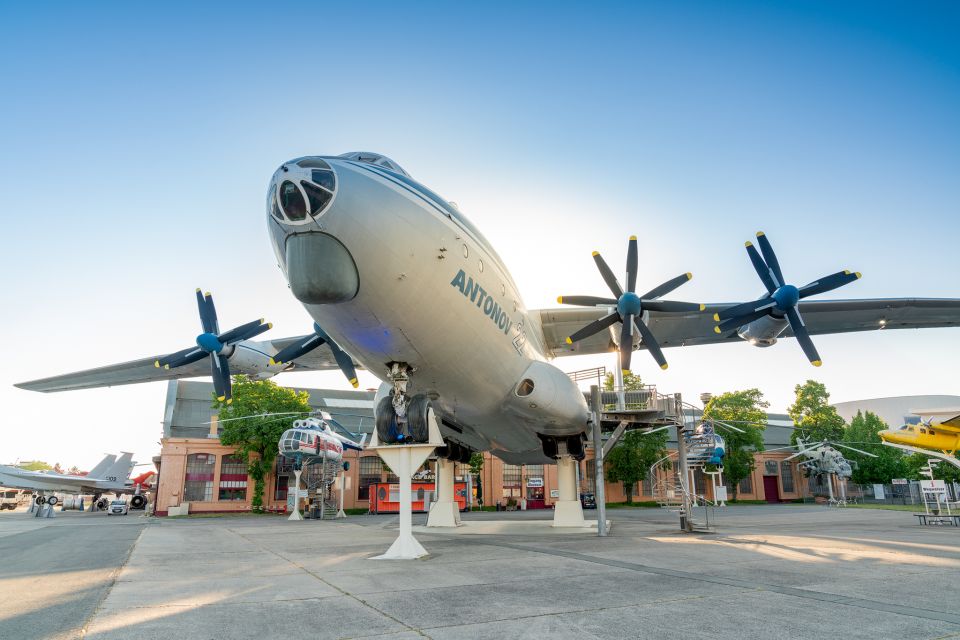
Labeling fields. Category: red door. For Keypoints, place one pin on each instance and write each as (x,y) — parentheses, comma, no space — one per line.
(771,490)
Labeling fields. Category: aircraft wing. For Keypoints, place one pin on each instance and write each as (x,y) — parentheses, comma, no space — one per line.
(820,316)
(143,370)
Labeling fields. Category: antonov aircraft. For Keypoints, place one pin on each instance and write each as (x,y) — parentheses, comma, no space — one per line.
(110,475)
(398,278)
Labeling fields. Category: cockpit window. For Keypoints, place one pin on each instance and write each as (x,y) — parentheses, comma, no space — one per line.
(325,179)
(377,159)
(313,163)
(291,200)
(318,197)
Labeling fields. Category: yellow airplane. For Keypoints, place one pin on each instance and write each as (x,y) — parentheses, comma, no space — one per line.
(937,436)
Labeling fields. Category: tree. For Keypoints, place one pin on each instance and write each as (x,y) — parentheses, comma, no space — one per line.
(256,438)
(34,465)
(476,468)
(813,416)
(631,382)
(746,411)
(889,463)
(629,462)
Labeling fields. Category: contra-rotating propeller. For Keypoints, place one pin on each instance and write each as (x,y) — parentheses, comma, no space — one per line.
(213,343)
(309,343)
(630,307)
(781,299)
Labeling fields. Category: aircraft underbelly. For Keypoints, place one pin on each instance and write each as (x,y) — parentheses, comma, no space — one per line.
(424,300)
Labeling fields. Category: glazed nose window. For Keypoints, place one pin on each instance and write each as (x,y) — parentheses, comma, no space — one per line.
(292,202)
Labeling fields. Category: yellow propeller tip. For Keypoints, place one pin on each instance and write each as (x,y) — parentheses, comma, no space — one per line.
(230,401)
(156,363)
(716,329)
(198,289)
(625,371)
(689,276)
(759,233)
(716,317)
(748,244)
(273,362)
(664,366)
(596,253)
(816,363)
(354,382)
(221,398)
(269,325)
(207,294)
(703,307)
(859,275)
(633,237)
(569,341)
(560,299)
(846,272)
(166,366)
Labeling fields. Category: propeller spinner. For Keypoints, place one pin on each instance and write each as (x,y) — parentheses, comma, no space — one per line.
(781,299)
(212,343)
(630,307)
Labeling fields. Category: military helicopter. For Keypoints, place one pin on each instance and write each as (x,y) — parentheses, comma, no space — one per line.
(823,458)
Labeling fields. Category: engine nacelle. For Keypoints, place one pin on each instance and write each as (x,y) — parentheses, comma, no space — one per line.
(764,331)
(547,399)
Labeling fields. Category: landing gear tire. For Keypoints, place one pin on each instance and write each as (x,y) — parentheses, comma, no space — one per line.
(418,418)
(38,500)
(52,500)
(465,455)
(138,502)
(575,447)
(388,430)
(102,504)
(549,447)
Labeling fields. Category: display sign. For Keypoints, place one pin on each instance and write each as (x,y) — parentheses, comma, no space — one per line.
(720,494)
(934,487)
(554,493)
(535,483)
(878,491)
(899,481)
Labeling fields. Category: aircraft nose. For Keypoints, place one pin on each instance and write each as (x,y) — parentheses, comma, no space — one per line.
(320,269)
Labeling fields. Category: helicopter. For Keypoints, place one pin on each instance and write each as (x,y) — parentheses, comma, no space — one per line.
(824,458)
(315,439)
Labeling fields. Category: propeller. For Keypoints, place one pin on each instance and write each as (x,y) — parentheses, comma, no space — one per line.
(310,342)
(630,307)
(781,299)
(213,344)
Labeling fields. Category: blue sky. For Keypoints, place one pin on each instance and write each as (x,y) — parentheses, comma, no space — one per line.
(138,141)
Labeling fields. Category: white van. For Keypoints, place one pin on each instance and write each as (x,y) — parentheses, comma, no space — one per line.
(9,499)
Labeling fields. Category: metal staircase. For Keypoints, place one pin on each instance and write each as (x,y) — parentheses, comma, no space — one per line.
(320,480)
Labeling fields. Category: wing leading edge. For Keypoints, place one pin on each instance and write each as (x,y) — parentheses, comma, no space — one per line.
(820,317)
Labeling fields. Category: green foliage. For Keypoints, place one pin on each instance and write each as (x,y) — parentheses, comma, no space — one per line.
(631,382)
(476,463)
(35,465)
(256,438)
(746,410)
(916,462)
(865,428)
(812,414)
(629,462)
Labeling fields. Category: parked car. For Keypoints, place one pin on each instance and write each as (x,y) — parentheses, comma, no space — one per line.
(588,501)
(9,499)
(118,508)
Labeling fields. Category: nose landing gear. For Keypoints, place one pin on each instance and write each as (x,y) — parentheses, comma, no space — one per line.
(400,418)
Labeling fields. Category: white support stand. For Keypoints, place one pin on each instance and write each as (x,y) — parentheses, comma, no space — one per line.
(568,512)
(405,459)
(340,513)
(295,514)
(444,512)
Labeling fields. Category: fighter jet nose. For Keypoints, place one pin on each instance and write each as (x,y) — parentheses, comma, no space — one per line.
(320,269)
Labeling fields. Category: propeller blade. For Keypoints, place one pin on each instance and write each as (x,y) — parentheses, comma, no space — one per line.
(608,276)
(803,337)
(651,343)
(761,267)
(587,301)
(739,321)
(220,371)
(244,331)
(208,313)
(666,287)
(763,304)
(594,327)
(770,258)
(866,453)
(803,451)
(297,349)
(632,264)
(828,283)
(180,358)
(668,306)
(345,362)
(626,342)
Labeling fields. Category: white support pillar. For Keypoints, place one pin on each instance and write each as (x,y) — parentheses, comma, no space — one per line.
(568,512)
(444,512)
(295,514)
(405,459)
(341,513)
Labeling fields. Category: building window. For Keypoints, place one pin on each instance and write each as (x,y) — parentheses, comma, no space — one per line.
(233,478)
(511,481)
(646,487)
(590,477)
(284,469)
(746,485)
(370,470)
(198,482)
(786,477)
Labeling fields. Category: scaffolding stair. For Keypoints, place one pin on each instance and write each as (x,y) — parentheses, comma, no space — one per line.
(320,480)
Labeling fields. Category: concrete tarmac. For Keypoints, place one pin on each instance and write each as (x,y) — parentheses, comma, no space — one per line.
(789,571)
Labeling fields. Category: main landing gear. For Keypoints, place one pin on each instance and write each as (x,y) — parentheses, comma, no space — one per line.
(574,446)
(568,451)
(400,418)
